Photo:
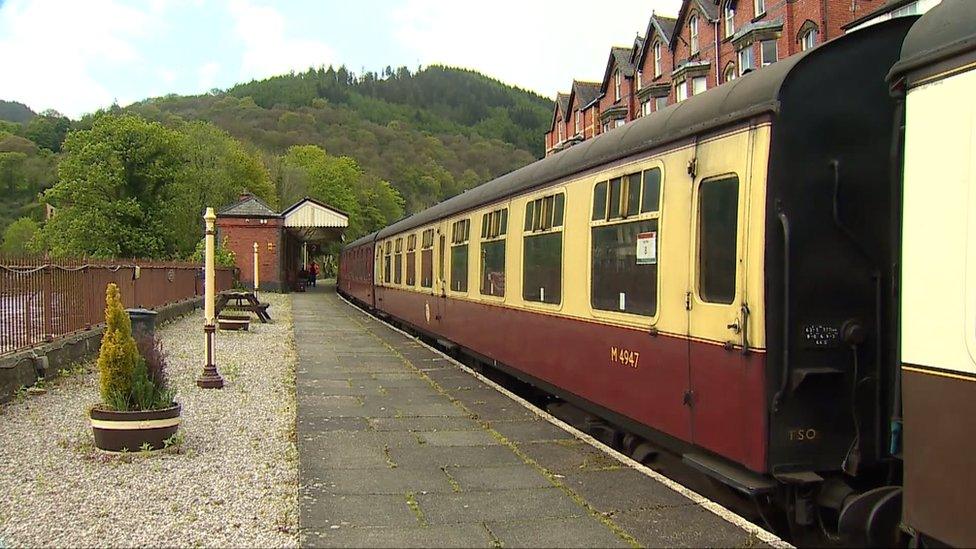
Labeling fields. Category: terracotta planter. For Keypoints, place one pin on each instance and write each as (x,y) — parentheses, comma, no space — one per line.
(115,431)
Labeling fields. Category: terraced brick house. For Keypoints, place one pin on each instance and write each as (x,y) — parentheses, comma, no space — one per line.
(617,97)
(654,65)
(582,99)
(711,42)
(556,136)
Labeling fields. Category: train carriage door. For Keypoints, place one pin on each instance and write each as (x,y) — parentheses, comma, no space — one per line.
(716,316)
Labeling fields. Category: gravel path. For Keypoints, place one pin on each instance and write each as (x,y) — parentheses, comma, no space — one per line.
(233,481)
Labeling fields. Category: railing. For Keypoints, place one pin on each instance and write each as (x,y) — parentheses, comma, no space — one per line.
(42,299)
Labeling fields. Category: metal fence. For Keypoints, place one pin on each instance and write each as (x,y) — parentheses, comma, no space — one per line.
(41,299)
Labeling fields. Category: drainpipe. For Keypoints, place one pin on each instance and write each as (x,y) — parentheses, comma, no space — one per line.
(823,20)
(718,51)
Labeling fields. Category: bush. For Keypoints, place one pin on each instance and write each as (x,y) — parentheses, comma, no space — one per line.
(223,256)
(118,356)
(132,376)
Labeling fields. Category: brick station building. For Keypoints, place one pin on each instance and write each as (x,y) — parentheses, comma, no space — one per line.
(708,43)
(285,240)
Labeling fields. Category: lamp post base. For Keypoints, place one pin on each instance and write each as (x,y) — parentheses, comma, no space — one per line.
(210,379)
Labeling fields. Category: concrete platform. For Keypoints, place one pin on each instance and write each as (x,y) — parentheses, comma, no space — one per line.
(400,447)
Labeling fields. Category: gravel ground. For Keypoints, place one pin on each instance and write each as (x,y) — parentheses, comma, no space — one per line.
(232,482)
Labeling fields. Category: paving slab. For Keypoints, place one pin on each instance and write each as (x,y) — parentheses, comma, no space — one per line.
(554,533)
(455,535)
(400,447)
(510,477)
(500,505)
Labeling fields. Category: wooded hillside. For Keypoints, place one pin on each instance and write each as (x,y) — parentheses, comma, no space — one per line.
(379,146)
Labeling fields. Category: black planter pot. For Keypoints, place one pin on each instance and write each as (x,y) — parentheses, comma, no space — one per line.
(129,431)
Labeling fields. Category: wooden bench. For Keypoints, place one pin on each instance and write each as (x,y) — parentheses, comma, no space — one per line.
(233,322)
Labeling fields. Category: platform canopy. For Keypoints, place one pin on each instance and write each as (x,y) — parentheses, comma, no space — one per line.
(315,222)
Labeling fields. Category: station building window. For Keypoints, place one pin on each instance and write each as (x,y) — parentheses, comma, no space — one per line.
(718,212)
(543,249)
(460,232)
(624,244)
(398,262)
(412,260)
(427,259)
(386,261)
(660,103)
(494,227)
(698,85)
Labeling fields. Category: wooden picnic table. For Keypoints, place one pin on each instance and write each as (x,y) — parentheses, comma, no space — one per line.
(244,299)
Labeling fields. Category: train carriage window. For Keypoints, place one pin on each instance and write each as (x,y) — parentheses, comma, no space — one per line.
(651,199)
(493,253)
(412,260)
(386,262)
(633,194)
(718,212)
(427,259)
(615,194)
(599,201)
(542,249)
(398,262)
(624,253)
(459,255)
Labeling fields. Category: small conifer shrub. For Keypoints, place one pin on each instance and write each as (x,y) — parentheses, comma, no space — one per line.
(132,376)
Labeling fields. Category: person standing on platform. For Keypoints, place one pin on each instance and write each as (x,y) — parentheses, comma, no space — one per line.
(313,273)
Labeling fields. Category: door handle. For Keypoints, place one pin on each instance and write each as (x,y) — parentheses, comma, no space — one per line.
(734,326)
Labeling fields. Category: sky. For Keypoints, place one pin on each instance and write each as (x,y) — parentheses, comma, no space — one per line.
(78,56)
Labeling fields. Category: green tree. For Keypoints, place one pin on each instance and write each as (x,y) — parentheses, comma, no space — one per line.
(18,238)
(217,169)
(114,192)
(11,166)
(48,130)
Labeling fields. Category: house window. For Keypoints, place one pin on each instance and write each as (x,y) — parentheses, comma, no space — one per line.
(616,85)
(768,52)
(657,59)
(494,227)
(387,268)
(693,30)
(543,250)
(560,131)
(460,232)
(729,19)
(718,212)
(640,79)
(698,85)
(605,127)
(660,103)
(729,74)
(746,62)
(579,121)
(760,6)
(680,90)
(808,40)
(398,262)
(412,260)
(646,107)
(619,122)
(427,259)
(623,249)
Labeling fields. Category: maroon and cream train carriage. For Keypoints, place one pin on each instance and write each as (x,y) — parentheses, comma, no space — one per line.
(936,77)
(714,277)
